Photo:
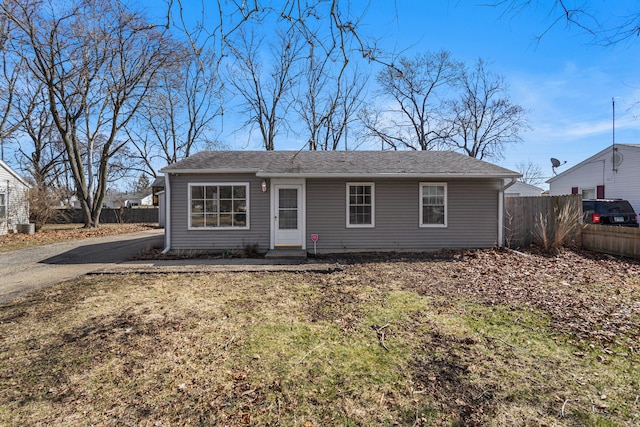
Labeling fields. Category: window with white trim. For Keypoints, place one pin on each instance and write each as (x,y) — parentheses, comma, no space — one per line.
(588,193)
(360,204)
(3,205)
(433,204)
(219,205)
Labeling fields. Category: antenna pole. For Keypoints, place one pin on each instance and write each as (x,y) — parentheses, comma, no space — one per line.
(613,134)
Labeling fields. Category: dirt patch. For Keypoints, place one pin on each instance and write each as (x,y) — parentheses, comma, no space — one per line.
(337,302)
(442,370)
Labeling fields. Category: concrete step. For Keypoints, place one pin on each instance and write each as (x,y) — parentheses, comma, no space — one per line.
(286,253)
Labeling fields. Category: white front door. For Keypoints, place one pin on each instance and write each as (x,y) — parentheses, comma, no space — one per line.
(288,220)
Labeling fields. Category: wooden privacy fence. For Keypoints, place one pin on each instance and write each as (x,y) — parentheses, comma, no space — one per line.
(623,241)
(114,216)
(528,218)
(129,215)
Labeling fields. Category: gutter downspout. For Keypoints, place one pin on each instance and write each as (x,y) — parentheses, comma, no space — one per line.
(501,211)
(167,215)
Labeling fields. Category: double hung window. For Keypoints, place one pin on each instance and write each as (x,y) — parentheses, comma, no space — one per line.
(433,204)
(3,206)
(360,204)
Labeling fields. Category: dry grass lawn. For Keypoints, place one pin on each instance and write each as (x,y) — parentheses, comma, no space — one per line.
(451,339)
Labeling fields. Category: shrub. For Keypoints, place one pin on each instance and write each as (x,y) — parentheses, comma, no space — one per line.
(562,229)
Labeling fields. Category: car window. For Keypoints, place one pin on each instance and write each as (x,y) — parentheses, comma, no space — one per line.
(617,207)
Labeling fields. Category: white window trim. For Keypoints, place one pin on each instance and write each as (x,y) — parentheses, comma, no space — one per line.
(592,189)
(224,184)
(4,213)
(373,205)
(446,205)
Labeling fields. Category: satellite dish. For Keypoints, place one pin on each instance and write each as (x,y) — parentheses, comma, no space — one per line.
(555,163)
(617,159)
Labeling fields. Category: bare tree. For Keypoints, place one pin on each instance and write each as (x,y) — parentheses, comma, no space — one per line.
(531,173)
(412,94)
(331,28)
(330,25)
(483,119)
(44,158)
(265,92)
(610,29)
(11,99)
(328,102)
(40,152)
(97,61)
(177,118)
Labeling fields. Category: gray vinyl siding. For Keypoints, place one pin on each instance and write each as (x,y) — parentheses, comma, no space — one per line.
(472,216)
(213,240)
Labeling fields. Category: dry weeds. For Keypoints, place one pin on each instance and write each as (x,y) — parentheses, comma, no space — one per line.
(474,338)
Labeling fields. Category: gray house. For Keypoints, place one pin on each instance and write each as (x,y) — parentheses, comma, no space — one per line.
(338,200)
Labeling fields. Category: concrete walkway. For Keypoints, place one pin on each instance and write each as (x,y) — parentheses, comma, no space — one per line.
(219,265)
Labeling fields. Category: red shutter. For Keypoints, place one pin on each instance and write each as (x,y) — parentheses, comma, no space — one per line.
(574,190)
(600,192)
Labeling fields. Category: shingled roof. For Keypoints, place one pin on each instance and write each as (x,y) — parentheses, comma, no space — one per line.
(316,164)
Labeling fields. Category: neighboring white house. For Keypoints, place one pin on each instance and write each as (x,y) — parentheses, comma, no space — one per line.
(521,189)
(14,199)
(147,200)
(138,199)
(127,200)
(613,173)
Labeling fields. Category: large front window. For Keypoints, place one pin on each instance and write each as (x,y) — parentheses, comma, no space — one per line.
(433,205)
(218,205)
(360,204)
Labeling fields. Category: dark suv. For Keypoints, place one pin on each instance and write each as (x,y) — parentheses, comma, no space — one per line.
(609,212)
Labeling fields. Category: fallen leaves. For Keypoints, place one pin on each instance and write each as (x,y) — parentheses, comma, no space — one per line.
(470,338)
(64,232)
(573,288)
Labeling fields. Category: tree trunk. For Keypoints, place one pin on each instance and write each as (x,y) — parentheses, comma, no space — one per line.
(86,214)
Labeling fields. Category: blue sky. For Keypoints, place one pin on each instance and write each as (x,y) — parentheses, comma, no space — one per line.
(565,80)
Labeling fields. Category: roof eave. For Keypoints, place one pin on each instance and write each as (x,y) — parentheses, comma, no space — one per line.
(204,171)
(382,175)
(353,175)
(15,174)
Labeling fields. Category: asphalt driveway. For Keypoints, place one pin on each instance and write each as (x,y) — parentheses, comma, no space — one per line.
(27,270)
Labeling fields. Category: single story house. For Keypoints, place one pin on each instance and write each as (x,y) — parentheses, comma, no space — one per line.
(334,201)
(14,200)
(613,173)
(522,189)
